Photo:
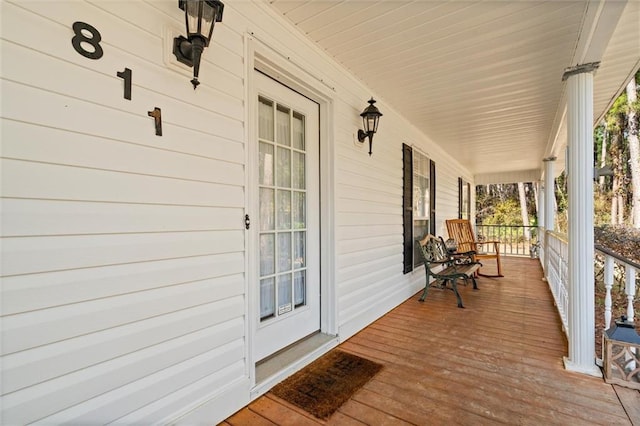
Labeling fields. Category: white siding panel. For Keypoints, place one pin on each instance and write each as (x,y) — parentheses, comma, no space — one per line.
(353,192)
(23,331)
(40,143)
(104,87)
(213,366)
(357,231)
(24,217)
(45,362)
(357,270)
(24,293)
(346,260)
(31,143)
(369,293)
(60,111)
(44,181)
(41,254)
(367,243)
(364,217)
(371,207)
(123,252)
(48,397)
(222,392)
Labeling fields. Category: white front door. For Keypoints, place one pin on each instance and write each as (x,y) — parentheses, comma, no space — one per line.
(286,250)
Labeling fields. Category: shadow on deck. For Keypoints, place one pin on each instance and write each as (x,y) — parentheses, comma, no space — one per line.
(497,361)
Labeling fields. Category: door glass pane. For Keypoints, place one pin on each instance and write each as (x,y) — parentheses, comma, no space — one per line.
(284,209)
(265,119)
(267,254)
(284,126)
(298,170)
(299,288)
(267,297)
(284,294)
(284,251)
(283,171)
(299,245)
(267,209)
(282,168)
(299,204)
(266,164)
(298,131)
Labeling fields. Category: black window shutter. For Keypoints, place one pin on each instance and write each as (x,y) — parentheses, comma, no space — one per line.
(407,206)
(460,199)
(432,196)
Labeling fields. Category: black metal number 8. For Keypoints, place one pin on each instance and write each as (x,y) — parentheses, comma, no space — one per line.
(80,38)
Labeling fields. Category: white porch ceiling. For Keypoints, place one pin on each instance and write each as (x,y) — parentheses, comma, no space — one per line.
(480,78)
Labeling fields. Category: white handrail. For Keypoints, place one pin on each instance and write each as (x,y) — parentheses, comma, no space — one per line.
(631,271)
(557,248)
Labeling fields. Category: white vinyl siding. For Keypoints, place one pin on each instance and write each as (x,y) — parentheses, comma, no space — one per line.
(123,253)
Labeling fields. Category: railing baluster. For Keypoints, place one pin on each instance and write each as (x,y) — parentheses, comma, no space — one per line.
(608,284)
(630,289)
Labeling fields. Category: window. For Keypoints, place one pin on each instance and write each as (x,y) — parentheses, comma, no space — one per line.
(418,203)
(464,199)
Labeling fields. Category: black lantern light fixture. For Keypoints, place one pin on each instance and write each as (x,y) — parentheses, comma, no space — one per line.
(370,118)
(200,17)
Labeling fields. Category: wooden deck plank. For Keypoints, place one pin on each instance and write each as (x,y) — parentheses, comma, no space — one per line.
(497,361)
(475,393)
(282,413)
(630,400)
(248,417)
(370,414)
(340,419)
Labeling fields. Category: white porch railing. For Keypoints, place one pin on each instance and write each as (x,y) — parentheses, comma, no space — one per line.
(617,269)
(555,258)
(554,255)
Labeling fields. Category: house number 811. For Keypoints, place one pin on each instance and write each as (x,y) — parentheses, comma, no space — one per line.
(87,35)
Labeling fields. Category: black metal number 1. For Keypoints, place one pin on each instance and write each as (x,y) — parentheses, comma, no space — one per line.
(157,118)
(126,76)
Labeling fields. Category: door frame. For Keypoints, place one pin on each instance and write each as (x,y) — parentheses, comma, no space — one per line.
(281,68)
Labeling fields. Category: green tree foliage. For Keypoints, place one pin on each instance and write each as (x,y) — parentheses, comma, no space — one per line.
(505,213)
(615,192)
(499,205)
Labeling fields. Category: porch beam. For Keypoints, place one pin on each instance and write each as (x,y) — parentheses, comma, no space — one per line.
(581,319)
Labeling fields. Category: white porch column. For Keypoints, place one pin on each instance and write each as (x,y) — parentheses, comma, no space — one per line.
(580,188)
(549,205)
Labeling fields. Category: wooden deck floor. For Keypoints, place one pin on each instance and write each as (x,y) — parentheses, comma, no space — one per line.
(499,361)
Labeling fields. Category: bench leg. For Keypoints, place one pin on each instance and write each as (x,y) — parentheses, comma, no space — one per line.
(475,284)
(425,291)
(454,284)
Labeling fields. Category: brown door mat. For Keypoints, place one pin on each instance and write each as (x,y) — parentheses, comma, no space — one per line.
(324,385)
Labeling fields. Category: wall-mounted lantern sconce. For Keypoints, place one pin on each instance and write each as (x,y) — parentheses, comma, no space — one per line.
(200,17)
(370,118)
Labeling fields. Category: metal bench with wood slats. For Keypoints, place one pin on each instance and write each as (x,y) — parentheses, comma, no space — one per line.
(454,266)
